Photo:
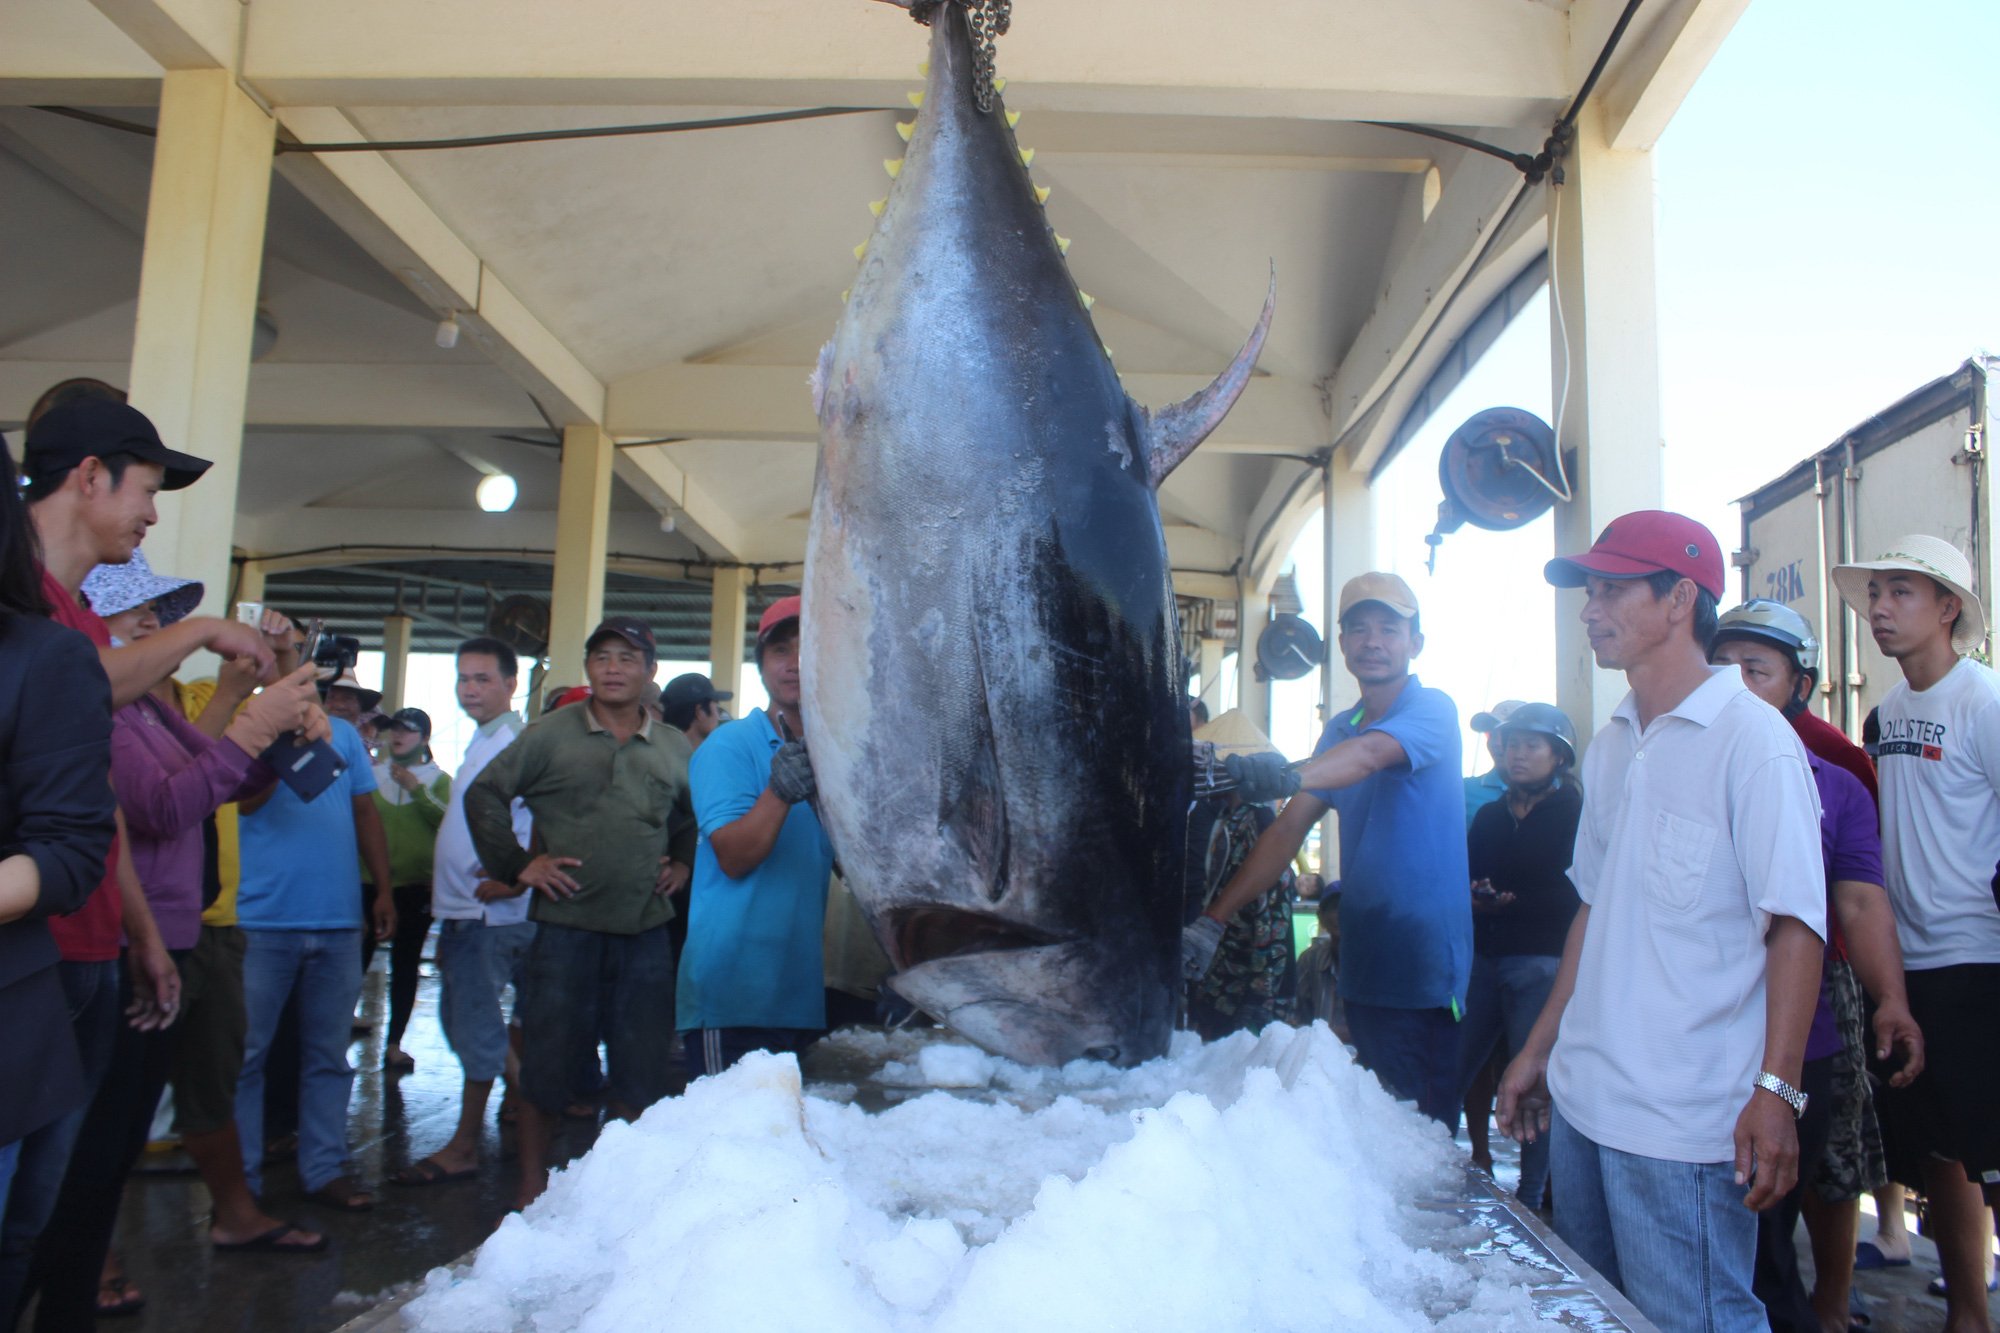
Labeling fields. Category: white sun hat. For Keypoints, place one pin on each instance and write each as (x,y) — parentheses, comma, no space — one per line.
(1235,733)
(1930,556)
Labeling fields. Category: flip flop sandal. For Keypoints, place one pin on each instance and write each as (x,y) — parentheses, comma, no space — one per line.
(342,1193)
(124,1300)
(401,1061)
(271,1242)
(430,1171)
(1868,1255)
(1936,1287)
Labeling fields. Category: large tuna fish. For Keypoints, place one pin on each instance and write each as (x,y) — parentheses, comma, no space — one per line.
(994,687)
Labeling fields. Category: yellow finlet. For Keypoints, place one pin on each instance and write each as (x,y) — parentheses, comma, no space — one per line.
(1027,157)
(1088,299)
(1041,194)
(1062,244)
(861,249)
(1013,119)
(924,69)
(999,85)
(906,128)
(1107,354)
(845,294)
(893,165)
(916,99)
(876,206)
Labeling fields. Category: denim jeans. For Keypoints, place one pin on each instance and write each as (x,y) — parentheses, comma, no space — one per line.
(323,968)
(1413,1051)
(1505,998)
(92,992)
(1673,1236)
(477,963)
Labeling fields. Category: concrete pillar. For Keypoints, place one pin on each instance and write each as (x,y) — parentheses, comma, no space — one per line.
(395,660)
(1604,322)
(725,630)
(203,257)
(249,584)
(583,525)
(1209,667)
(1253,696)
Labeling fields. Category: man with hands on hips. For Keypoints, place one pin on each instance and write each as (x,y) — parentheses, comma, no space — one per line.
(1665,1066)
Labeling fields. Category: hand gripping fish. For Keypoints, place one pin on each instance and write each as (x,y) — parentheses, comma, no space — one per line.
(994,687)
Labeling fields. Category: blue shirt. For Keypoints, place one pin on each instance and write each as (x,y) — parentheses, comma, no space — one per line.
(1481,792)
(1405,900)
(753,957)
(301,866)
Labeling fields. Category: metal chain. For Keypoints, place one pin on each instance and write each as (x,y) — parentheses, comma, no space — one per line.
(989,19)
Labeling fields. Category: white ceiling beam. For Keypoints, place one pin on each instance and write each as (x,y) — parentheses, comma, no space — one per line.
(1320,59)
(1477,190)
(732,402)
(519,531)
(370,200)
(180,34)
(1651,76)
(654,476)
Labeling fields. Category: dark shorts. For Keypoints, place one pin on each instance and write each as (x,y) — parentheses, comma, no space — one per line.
(579,984)
(712,1050)
(1951,1111)
(209,1057)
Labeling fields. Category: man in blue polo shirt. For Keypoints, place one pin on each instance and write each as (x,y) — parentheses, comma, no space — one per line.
(752,976)
(1390,767)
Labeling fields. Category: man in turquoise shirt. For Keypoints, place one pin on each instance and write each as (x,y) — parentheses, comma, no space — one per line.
(752,977)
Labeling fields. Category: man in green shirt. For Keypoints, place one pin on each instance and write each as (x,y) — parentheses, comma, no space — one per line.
(615,829)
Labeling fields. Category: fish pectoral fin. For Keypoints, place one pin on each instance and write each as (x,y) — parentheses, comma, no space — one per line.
(1172,432)
(976,819)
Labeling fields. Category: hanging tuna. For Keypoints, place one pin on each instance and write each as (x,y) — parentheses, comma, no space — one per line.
(994,687)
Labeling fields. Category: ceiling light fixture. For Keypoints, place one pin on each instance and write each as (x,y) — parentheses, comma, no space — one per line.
(447,333)
(495,493)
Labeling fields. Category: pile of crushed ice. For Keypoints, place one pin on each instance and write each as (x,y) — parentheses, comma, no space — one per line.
(1254,1183)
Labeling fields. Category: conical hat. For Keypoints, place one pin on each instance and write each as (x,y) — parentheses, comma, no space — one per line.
(1235,733)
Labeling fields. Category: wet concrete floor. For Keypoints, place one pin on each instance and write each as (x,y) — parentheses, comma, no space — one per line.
(394,1120)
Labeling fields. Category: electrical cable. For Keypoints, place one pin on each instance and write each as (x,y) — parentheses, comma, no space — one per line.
(492,140)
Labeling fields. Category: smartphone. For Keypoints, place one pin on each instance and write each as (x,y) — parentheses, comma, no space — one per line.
(315,631)
(307,769)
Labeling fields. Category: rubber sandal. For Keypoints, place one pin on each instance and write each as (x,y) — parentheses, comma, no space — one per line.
(1868,1255)
(269,1243)
(343,1193)
(430,1171)
(125,1301)
(1936,1287)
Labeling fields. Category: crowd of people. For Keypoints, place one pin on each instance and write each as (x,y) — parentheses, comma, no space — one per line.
(1733,969)
(1719,970)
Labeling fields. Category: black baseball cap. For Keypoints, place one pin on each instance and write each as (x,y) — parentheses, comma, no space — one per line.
(96,428)
(693,688)
(410,719)
(629,628)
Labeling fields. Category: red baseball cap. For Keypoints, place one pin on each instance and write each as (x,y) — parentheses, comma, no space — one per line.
(1646,541)
(776,614)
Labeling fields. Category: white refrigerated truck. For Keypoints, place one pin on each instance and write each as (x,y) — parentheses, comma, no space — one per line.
(1920,465)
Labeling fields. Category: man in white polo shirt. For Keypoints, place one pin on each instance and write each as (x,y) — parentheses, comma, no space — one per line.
(481,938)
(1673,1041)
(1939,765)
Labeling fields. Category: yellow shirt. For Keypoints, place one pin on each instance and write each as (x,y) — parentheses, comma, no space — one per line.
(192,698)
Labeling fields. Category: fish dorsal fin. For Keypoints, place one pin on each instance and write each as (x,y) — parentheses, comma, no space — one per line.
(1172,432)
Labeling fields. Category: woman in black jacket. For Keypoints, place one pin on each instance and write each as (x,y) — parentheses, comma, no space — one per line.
(56,813)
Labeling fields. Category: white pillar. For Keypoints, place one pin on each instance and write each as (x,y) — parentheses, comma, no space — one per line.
(1604,323)
(1253,696)
(204,254)
(726,608)
(583,526)
(395,660)
(249,585)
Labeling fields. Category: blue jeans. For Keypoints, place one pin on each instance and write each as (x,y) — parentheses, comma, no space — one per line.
(1504,999)
(92,992)
(477,963)
(1413,1051)
(324,967)
(1673,1236)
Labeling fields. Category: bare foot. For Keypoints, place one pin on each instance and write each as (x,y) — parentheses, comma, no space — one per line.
(532,1188)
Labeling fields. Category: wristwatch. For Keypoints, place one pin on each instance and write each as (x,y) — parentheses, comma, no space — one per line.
(1793,1097)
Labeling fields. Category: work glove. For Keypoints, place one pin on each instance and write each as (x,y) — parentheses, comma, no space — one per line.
(1261,777)
(1198,945)
(792,773)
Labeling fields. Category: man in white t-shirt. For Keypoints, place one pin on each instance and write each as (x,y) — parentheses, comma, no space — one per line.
(481,939)
(1673,1041)
(1939,766)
